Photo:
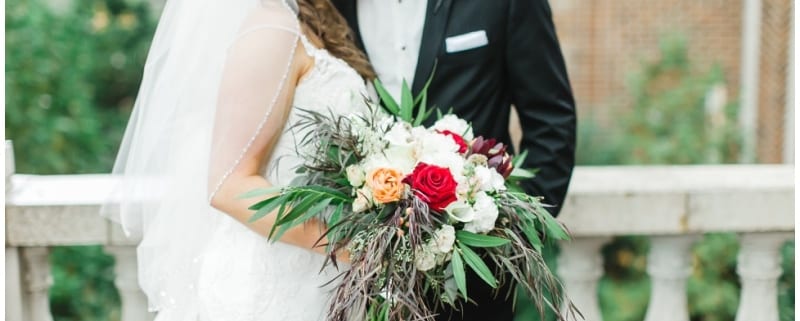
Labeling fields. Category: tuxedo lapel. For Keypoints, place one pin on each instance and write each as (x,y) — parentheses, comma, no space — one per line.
(432,37)
(348,9)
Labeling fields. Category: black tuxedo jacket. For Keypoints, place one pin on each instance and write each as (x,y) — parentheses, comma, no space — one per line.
(522,65)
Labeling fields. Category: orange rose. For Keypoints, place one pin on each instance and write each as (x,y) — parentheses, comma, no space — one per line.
(386,184)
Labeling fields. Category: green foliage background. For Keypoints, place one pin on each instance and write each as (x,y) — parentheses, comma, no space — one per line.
(72,75)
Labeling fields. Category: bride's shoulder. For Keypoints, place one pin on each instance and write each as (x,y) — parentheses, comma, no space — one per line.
(272,14)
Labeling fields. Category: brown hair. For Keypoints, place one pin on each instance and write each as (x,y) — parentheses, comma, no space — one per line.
(320,18)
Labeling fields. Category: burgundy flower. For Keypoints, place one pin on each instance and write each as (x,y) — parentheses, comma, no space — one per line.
(495,154)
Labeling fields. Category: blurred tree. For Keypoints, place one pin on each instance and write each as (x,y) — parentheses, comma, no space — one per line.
(72,73)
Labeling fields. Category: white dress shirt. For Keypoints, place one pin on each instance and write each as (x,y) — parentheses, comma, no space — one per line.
(392,33)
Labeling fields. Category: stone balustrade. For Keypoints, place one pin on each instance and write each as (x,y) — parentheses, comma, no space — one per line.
(673,205)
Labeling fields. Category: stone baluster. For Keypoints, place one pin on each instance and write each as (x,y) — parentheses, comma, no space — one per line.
(36,268)
(759,266)
(134,302)
(580,266)
(669,265)
(14,294)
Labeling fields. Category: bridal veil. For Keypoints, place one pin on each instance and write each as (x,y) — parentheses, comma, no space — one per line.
(203,103)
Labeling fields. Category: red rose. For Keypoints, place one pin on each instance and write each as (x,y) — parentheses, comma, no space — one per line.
(433,185)
(462,144)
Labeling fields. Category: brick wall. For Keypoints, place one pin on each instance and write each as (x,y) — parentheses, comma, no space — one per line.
(604,41)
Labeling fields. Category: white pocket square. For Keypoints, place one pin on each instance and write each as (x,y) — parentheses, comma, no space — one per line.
(466,41)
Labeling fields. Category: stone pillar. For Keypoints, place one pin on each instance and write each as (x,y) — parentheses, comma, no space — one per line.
(134,302)
(580,266)
(669,265)
(759,266)
(36,268)
(751,45)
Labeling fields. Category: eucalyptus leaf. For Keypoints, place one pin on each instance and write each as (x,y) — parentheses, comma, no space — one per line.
(480,240)
(458,273)
(554,228)
(270,205)
(476,263)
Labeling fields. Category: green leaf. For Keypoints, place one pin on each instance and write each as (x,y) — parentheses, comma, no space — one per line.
(554,228)
(476,263)
(423,95)
(299,209)
(520,173)
(386,98)
(337,214)
(406,103)
(458,273)
(480,240)
(268,206)
(260,192)
(519,159)
(533,237)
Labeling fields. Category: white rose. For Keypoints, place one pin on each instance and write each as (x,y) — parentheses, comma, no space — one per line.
(362,201)
(454,124)
(355,175)
(460,211)
(486,213)
(424,259)
(444,238)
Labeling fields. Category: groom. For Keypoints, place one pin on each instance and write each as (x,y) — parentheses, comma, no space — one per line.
(489,55)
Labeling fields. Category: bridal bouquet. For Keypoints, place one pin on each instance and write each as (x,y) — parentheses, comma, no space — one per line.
(416,208)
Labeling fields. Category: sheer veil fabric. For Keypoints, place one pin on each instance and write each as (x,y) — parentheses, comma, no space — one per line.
(203,105)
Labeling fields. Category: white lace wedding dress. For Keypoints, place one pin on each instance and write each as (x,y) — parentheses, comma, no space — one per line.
(219,87)
(243,277)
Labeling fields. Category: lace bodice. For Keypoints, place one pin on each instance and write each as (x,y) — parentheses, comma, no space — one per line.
(245,278)
(330,84)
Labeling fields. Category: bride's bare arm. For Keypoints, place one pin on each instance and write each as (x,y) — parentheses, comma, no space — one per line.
(255,97)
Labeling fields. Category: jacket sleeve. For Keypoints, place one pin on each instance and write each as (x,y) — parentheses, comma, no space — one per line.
(541,93)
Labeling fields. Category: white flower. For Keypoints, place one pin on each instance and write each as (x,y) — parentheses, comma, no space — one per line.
(355,175)
(452,161)
(398,158)
(402,158)
(498,183)
(362,201)
(431,143)
(444,238)
(399,134)
(424,259)
(489,180)
(456,125)
(486,213)
(460,211)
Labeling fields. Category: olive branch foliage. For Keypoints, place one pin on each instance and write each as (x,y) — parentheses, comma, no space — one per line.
(382,282)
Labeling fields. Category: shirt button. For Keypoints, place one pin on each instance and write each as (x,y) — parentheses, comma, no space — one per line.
(403,48)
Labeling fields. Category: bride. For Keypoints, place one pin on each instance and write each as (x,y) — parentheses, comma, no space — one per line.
(221,89)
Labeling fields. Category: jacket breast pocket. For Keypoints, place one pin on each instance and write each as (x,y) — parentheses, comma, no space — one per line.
(470,47)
